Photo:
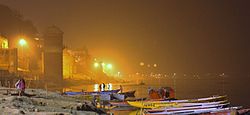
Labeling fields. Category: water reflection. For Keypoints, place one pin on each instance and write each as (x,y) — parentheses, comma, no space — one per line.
(96,87)
(109,86)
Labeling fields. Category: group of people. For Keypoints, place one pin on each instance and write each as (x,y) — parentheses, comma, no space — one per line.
(161,93)
(102,87)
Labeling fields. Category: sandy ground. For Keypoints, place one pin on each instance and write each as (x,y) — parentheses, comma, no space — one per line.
(44,103)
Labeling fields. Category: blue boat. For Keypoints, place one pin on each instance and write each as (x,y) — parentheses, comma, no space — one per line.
(92,92)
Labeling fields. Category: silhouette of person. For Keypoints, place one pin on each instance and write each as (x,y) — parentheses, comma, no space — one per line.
(103,86)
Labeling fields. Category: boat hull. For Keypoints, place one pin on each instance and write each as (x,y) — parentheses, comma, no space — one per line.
(92,93)
(172,103)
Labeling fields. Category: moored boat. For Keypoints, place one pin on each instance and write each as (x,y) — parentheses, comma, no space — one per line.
(212,110)
(186,108)
(129,93)
(92,92)
(118,96)
(120,104)
(151,105)
(173,103)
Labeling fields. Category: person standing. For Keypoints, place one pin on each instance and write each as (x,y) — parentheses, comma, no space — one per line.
(20,85)
(103,87)
(121,89)
(100,87)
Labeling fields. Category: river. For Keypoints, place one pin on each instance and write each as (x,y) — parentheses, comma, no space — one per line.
(234,86)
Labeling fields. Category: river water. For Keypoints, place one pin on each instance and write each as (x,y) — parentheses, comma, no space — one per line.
(234,86)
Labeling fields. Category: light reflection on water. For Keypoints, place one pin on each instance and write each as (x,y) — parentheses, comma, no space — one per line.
(94,87)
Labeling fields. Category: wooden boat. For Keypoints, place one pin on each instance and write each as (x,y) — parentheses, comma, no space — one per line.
(120,104)
(172,103)
(141,83)
(206,99)
(212,110)
(118,96)
(123,108)
(186,108)
(125,103)
(129,93)
(92,93)
(151,105)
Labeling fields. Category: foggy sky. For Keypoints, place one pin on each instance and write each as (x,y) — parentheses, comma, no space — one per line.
(178,36)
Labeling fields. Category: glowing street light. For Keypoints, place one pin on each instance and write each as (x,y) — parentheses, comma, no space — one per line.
(22,42)
(109,66)
(118,74)
(103,64)
(96,64)
(141,64)
(155,65)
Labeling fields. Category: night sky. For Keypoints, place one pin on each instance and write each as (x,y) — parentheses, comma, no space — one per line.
(197,36)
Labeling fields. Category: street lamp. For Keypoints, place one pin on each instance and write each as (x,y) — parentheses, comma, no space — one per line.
(22,42)
(109,66)
(96,64)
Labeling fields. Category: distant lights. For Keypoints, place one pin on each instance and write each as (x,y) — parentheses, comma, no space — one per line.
(105,66)
(141,64)
(148,65)
(155,65)
(36,39)
(109,66)
(96,64)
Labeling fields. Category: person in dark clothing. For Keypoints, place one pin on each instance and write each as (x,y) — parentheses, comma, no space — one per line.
(103,86)
(100,87)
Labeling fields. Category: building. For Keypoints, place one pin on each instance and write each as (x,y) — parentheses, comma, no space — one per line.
(76,64)
(3,43)
(8,57)
(53,54)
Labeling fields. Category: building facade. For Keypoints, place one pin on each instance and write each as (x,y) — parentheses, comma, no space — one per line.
(76,64)
(8,57)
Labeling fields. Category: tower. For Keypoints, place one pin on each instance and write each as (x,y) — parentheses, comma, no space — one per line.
(53,54)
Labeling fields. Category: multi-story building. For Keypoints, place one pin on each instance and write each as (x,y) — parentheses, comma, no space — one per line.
(76,64)
(8,57)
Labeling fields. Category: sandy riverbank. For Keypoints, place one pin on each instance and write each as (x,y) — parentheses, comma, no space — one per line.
(41,102)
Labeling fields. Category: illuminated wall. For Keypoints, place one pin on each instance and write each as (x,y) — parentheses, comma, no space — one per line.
(8,57)
(68,62)
(3,43)
(76,64)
